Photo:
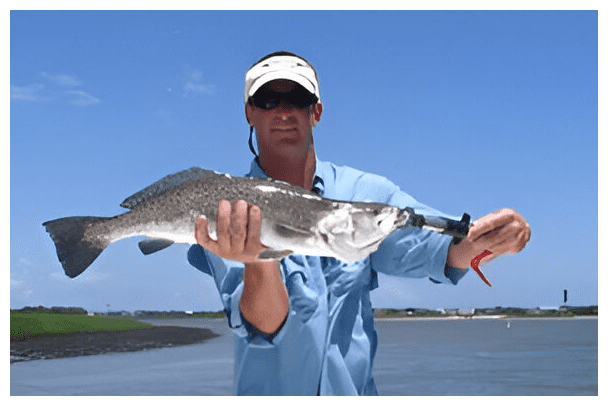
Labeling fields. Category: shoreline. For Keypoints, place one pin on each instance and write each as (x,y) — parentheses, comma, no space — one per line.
(104,342)
(489,317)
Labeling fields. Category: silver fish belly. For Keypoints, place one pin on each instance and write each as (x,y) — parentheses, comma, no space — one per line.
(294,220)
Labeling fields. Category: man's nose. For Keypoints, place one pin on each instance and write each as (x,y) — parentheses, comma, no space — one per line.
(283,110)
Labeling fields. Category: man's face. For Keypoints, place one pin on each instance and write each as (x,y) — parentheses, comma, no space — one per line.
(285,129)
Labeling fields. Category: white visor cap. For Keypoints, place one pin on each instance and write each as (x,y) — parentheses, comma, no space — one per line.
(281,67)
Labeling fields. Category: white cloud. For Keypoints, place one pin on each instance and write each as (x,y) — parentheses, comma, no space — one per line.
(191,87)
(80,98)
(194,83)
(195,75)
(87,277)
(24,262)
(20,279)
(54,91)
(61,276)
(93,277)
(63,80)
(29,93)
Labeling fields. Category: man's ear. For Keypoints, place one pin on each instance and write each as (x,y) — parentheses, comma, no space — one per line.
(247,109)
(317,110)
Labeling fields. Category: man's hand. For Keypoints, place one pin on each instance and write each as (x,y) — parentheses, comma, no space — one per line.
(238,232)
(503,232)
(264,301)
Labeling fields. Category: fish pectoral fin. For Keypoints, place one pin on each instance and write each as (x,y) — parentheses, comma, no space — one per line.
(271,254)
(152,245)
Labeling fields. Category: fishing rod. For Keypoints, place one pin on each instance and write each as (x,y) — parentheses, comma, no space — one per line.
(459,229)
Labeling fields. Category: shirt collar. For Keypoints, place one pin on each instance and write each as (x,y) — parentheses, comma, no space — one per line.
(322,175)
(255,171)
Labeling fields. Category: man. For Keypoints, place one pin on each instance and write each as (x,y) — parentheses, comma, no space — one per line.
(304,325)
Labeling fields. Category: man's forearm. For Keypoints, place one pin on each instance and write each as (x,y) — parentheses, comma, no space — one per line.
(264,302)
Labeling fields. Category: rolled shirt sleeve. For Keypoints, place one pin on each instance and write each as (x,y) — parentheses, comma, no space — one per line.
(266,362)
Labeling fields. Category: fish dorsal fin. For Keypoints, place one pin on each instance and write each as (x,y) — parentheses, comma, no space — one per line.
(166,183)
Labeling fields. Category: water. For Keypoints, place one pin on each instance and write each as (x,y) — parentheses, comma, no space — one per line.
(487,357)
(438,357)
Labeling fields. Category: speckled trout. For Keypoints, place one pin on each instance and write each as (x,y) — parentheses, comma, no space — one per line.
(294,220)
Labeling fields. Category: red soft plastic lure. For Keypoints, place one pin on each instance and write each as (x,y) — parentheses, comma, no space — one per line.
(475,265)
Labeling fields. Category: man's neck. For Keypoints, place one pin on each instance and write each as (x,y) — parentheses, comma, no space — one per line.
(298,172)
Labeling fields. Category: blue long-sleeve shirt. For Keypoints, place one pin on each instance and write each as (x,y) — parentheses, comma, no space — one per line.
(328,342)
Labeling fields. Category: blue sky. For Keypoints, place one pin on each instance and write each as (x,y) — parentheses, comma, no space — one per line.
(467,111)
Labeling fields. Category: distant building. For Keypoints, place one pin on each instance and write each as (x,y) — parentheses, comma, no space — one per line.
(120,313)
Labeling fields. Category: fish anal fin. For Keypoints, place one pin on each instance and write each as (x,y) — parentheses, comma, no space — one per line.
(152,245)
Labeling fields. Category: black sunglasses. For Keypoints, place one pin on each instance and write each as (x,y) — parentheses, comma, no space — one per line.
(267,99)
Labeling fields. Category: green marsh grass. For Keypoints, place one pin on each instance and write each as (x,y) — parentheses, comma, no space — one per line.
(29,325)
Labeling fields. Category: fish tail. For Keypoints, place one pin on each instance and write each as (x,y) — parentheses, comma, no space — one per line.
(76,249)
